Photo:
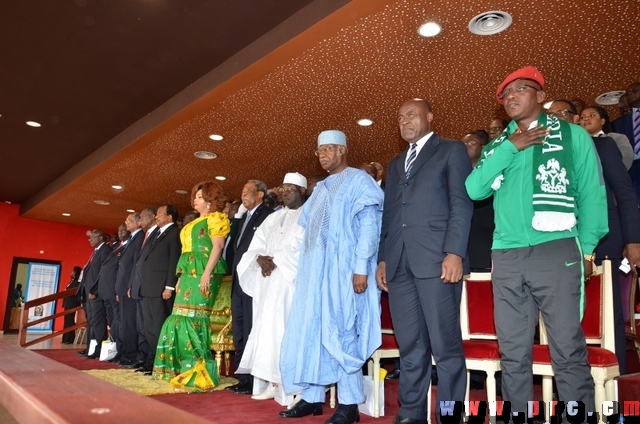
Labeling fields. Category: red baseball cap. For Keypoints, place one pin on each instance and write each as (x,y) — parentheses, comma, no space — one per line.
(528,72)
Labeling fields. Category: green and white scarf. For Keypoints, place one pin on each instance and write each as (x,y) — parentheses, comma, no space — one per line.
(552,175)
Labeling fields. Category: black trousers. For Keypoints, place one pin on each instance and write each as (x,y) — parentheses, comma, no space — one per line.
(69,320)
(127,341)
(155,311)
(242,313)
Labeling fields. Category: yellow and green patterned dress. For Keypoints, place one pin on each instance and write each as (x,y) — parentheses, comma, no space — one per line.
(185,334)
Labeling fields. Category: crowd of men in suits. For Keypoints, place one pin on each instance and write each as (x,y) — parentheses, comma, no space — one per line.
(426,220)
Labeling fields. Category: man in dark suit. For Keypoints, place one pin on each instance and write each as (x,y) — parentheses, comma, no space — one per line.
(95,309)
(423,243)
(252,197)
(159,278)
(128,340)
(107,287)
(623,220)
(149,231)
(629,125)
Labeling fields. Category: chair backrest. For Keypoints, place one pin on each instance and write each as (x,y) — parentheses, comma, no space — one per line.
(476,308)
(597,323)
(385,314)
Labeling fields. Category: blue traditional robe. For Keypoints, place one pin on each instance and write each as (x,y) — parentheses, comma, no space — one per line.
(331,329)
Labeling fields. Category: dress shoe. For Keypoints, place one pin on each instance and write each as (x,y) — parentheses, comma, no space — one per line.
(82,352)
(345,414)
(399,419)
(234,387)
(393,375)
(94,356)
(115,360)
(126,363)
(148,373)
(246,388)
(144,369)
(302,409)
(269,393)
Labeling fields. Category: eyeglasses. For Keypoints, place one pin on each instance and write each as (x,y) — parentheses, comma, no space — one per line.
(287,188)
(517,89)
(325,149)
(470,142)
(560,113)
(495,129)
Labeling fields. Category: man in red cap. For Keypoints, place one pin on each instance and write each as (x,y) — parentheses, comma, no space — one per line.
(543,173)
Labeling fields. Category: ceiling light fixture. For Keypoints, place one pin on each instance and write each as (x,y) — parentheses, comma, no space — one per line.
(130,210)
(490,23)
(205,155)
(101,202)
(182,191)
(66,214)
(33,124)
(216,137)
(429,29)
(116,187)
(610,98)
(364,122)
(221,178)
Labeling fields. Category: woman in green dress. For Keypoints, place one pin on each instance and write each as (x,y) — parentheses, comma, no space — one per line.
(184,354)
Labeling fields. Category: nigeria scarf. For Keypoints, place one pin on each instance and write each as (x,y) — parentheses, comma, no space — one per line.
(552,175)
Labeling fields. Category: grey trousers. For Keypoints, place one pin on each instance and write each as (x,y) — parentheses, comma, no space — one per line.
(545,278)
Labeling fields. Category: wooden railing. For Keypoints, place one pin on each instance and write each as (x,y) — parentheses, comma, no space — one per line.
(25,323)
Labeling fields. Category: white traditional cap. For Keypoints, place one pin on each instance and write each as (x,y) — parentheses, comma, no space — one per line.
(332,137)
(295,178)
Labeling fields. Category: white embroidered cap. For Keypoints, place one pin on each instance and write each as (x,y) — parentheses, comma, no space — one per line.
(295,178)
(332,137)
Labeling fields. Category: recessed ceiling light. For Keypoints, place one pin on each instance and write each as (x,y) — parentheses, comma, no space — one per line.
(429,29)
(216,137)
(116,187)
(8,202)
(33,124)
(205,155)
(182,191)
(66,214)
(490,23)
(221,178)
(365,122)
(610,98)
(102,202)
(130,210)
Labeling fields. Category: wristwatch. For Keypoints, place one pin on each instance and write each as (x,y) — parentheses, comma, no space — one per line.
(590,258)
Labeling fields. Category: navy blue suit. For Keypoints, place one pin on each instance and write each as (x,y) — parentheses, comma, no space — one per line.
(624,125)
(624,228)
(241,303)
(425,217)
(127,341)
(134,286)
(95,309)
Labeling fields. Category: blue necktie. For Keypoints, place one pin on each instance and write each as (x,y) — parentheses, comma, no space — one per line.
(636,132)
(411,160)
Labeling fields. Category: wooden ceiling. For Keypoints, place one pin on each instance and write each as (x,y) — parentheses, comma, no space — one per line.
(291,70)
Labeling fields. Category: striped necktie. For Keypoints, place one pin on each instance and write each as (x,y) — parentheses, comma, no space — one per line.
(636,131)
(411,159)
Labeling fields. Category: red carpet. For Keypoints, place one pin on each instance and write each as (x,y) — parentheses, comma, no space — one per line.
(70,357)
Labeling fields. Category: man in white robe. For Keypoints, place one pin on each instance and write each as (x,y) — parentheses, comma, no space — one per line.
(334,323)
(267,273)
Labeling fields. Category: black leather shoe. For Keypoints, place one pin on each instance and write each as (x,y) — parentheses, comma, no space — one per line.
(345,414)
(246,388)
(234,387)
(148,373)
(393,375)
(399,419)
(144,369)
(94,356)
(82,352)
(302,409)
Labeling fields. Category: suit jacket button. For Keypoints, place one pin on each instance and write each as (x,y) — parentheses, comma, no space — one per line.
(404,203)
(404,225)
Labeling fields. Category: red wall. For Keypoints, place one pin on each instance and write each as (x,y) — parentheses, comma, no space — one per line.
(26,238)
